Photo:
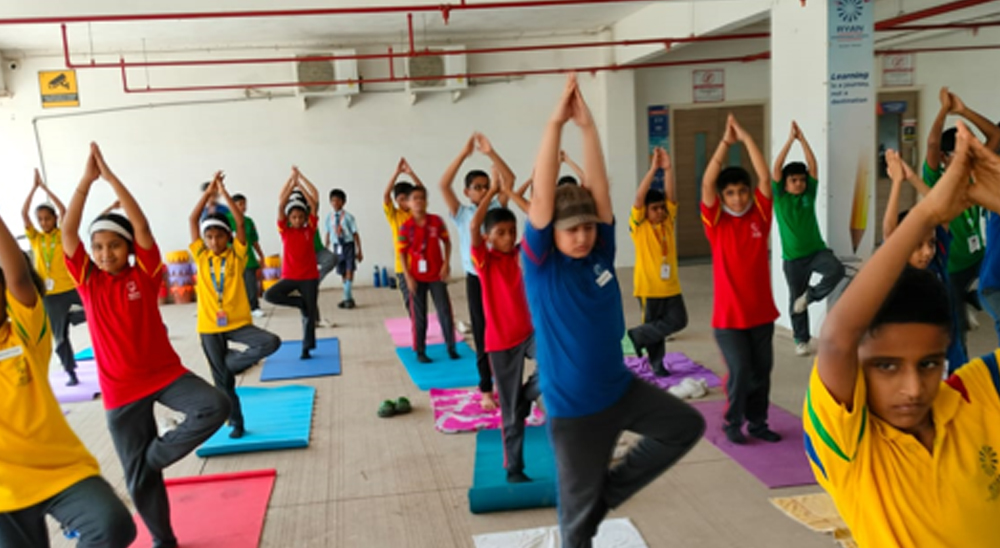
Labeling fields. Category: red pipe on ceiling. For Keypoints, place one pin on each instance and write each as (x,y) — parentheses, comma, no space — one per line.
(946,26)
(497,74)
(894,51)
(444,9)
(667,41)
(890,24)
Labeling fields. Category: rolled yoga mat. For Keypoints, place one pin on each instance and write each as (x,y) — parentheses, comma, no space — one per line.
(490,491)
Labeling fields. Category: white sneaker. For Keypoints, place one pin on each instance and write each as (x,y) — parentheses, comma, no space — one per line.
(464,328)
(801,304)
(687,389)
(802,349)
(258,313)
(970,313)
(699,388)
(325,323)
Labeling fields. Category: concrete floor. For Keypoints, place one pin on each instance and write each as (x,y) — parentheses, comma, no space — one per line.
(370,482)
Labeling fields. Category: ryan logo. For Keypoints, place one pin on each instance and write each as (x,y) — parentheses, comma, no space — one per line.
(133,291)
(989,462)
(755,230)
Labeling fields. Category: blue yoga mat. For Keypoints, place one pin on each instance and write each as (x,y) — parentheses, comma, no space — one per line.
(444,372)
(490,491)
(85,354)
(285,363)
(275,418)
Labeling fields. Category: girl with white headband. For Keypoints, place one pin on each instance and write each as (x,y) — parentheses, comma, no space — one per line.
(60,293)
(223,306)
(297,223)
(137,367)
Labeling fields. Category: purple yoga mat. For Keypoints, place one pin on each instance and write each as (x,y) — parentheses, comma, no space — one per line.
(781,464)
(88,389)
(680,367)
(402,333)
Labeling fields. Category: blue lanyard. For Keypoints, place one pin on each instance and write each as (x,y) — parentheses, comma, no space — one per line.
(219,284)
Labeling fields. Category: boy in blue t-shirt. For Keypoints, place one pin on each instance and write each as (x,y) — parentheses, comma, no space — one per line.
(568,257)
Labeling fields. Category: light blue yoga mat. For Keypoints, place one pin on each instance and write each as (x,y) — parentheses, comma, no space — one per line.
(490,491)
(444,372)
(85,354)
(285,363)
(275,418)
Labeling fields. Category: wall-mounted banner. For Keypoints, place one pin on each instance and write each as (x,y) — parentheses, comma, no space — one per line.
(658,120)
(851,111)
(897,70)
(58,88)
(709,86)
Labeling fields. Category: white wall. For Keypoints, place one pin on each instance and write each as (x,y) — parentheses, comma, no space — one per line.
(164,153)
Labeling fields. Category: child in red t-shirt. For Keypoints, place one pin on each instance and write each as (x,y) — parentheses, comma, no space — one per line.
(297,224)
(509,335)
(137,366)
(426,268)
(737,222)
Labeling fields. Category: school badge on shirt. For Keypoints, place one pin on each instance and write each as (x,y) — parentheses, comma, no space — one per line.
(603,275)
(16,353)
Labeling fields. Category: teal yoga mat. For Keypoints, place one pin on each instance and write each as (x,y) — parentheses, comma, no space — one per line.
(443,372)
(285,363)
(275,418)
(490,491)
(85,354)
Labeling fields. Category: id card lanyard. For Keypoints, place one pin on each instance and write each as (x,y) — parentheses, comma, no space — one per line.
(661,235)
(50,247)
(220,287)
(974,243)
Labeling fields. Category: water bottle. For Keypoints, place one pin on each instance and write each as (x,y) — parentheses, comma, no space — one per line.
(385,277)
(377,280)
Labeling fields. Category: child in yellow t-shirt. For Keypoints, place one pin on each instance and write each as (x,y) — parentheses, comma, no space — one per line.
(652,224)
(396,206)
(60,291)
(44,468)
(223,307)
(910,460)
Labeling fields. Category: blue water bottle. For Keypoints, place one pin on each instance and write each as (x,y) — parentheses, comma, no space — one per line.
(385,277)
(377,280)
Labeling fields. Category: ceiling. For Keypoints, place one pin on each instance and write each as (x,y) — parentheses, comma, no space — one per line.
(173,35)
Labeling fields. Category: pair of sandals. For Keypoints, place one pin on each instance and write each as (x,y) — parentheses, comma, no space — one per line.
(390,408)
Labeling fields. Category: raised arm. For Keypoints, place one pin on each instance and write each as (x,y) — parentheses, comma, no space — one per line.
(647,181)
(387,196)
(238,218)
(26,209)
(989,129)
(716,165)
(357,246)
(593,159)
(916,181)
(143,233)
(851,317)
(756,158)
(16,274)
(285,194)
(811,164)
(194,219)
(311,194)
(563,157)
(779,162)
(486,147)
(669,179)
(523,189)
(543,193)
(407,169)
(71,224)
(934,137)
(60,207)
(897,174)
(476,224)
(447,183)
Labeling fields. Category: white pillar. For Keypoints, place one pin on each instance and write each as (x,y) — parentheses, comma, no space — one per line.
(822,76)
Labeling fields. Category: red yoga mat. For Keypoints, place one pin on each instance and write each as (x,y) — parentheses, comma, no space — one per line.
(216,511)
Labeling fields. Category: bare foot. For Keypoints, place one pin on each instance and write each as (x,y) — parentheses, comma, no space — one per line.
(488,403)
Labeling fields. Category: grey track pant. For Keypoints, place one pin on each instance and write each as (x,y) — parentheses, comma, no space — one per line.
(516,397)
(226,363)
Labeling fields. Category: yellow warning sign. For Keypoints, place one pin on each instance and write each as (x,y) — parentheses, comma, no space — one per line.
(58,88)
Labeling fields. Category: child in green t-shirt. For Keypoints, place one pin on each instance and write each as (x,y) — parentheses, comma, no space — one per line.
(254,256)
(802,246)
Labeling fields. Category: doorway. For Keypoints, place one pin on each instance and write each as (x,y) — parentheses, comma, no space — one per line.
(697,133)
(896,129)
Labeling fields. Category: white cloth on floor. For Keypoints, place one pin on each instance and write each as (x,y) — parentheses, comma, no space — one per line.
(614,533)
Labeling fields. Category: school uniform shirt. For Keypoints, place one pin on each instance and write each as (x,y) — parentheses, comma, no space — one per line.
(423,245)
(989,276)
(508,322)
(890,490)
(298,251)
(939,266)
(462,219)
(655,254)
(341,227)
(40,456)
(133,353)
(797,222)
(967,239)
(225,271)
(250,229)
(741,271)
(396,218)
(50,262)
(576,305)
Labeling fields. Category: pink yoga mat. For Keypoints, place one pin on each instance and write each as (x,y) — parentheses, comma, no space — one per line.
(459,410)
(680,367)
(401,331)
(781,464)
(88,389)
